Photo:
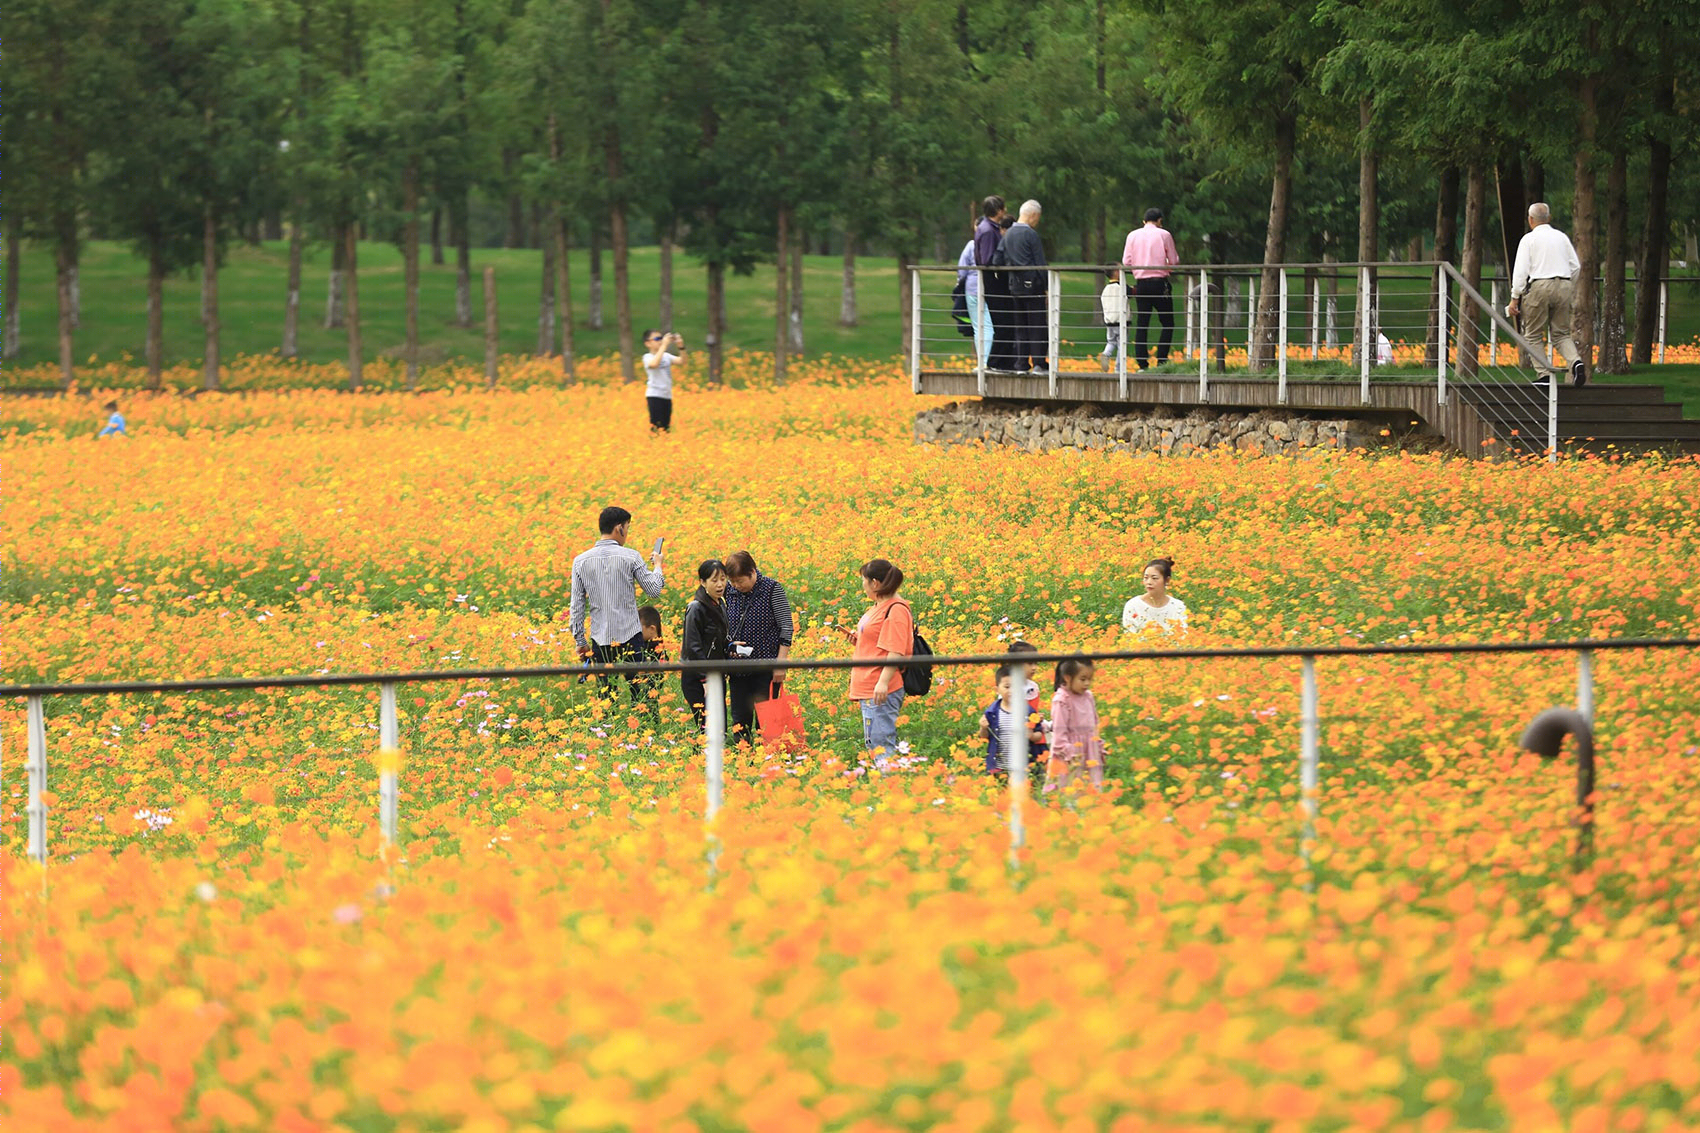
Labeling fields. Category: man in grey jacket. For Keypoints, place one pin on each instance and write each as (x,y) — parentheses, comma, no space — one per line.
(1022,248)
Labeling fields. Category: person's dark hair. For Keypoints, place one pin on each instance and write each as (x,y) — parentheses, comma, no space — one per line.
(885,577)
(647,331)
(740,564)
(1001,672)
(1007,222)
(1071,668)
(111,406)
(1164,565)
(708,568)
(992,205)
(611,518)
(1022,647)
(649,616)
(1153,214)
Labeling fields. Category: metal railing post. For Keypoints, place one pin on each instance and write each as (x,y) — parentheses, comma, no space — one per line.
(1281,345)
(915,328)
(1366,347)
(1251,328)
(389,743)
(1121,348)
(1552,418)
(36,770)
(1203,335)
(1186,339)
(715,690)
(981,319)
(1309,744)
(1015,750)
(1053,325)
(1585,684)
(1445,299)
(1664,306)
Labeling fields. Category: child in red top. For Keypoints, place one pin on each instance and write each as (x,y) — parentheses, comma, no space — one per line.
(1076,743)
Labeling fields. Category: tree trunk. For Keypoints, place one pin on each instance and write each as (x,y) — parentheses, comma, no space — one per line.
(1612,328)
(491,331)
(14,276)
(460,227)
(76,277)
(1475,224)
(564,293)
(546,302)
(1275,243)
(333,285)
(516,206)
(797,239)
(155,348)
(437,236)
(1414,249)
(1369,218)
(64,256)
(1655,231)
(351,270)
(534,232)
(595,313)
(781,304)
(716,310)
(1445,249)
(292,291)
(209,292)
(1586,222)
(410,271)
(1514,202)
(622,289)
(664,311)
(274,225)
(847,294)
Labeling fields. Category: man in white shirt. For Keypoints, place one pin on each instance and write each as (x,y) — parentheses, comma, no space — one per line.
(1543,287)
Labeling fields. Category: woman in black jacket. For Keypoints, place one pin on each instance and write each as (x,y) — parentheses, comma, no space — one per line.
(706,634)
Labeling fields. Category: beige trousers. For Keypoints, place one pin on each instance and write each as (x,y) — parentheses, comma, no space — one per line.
(1547,303)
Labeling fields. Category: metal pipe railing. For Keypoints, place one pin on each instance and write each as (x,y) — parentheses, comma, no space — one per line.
(716,672)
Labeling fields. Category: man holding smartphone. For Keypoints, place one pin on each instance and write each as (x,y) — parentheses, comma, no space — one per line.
(604,585)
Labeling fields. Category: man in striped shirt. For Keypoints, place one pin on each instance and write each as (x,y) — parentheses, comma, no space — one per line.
(759,614)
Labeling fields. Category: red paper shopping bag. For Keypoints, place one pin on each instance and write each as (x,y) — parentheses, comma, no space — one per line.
(780,719)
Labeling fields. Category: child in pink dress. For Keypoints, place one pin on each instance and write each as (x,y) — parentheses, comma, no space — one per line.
(1075,742)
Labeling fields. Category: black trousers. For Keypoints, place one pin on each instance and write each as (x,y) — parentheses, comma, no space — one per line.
(1032,344)
(620,652)
(695,688)
(1153,294)
(1002,356)
(660,413)
(748,690)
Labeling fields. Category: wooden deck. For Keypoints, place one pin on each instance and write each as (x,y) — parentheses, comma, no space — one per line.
(1477,419)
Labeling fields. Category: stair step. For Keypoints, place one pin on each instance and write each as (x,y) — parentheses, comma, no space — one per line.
(1630,429)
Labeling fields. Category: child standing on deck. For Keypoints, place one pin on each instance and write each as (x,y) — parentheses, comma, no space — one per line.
(1075,740)
(1113,299)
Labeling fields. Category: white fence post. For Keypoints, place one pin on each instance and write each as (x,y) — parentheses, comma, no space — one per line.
(1445,298)
(1493,324)
(389,743)
(915,328)
(1186,339)
(1309,742)
(1121,349)
(36,770)
(715,690)
(1366,348)
(1315,317)
(1281,344)
(1585,684)
(982,318)
(1552,418)
(1015,751)
(1203,335)
(1053,325)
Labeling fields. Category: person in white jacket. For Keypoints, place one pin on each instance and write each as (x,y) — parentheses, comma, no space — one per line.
(1114,301)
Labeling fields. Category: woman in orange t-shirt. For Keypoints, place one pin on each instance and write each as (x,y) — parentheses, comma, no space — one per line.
(886,630)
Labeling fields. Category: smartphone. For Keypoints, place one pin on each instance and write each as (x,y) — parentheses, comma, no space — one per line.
(658,543)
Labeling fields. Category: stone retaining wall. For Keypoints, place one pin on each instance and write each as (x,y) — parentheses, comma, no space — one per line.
(1039,428)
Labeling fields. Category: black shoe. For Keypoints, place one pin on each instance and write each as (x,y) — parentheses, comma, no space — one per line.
(1540,381)
(1578,374)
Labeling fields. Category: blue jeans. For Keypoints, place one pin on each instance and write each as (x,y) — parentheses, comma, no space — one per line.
(879,722)
(980,317)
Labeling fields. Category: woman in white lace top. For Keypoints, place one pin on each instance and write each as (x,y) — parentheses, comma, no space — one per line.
(1156,607)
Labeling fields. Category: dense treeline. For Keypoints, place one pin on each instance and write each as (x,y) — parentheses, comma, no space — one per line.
(744,131)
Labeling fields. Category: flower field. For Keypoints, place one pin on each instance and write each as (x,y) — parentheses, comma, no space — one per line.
(218,941)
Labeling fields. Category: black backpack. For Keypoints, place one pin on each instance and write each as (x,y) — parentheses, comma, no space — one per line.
(918,679)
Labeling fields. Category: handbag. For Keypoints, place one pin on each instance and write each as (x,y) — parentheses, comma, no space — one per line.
(780,718)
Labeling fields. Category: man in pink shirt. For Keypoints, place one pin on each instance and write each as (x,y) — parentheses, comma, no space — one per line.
(1152,245)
